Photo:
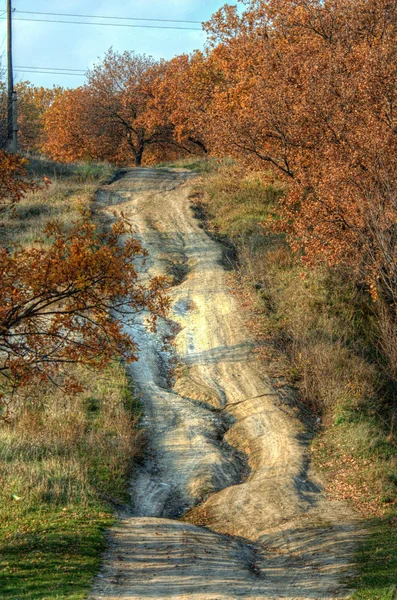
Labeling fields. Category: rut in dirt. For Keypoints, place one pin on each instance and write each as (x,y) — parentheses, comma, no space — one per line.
(221,443)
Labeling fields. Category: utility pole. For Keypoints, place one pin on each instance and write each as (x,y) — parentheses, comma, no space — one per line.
(14,146)
(12,118)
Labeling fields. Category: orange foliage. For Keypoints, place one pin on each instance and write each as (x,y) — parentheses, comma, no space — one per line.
(14,180)
(69,301)
(68,128)
(310,91)
(33,102)
(181,99)
(121,88)
(109,118)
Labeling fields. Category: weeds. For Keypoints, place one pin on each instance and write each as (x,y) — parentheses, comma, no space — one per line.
(323,331)
(195,163)
(70,193)
(64,460)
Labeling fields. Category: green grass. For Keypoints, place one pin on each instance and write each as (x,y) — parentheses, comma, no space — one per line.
(320,331)
(370,486)
(65,461)
(200,164)
(51,554)
(63,464)
(377,561)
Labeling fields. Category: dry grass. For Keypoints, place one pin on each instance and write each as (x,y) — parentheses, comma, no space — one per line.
(71,191)
(69,449)
(239,203)
(201,164)
(321,333)
(64,460)
(322,321)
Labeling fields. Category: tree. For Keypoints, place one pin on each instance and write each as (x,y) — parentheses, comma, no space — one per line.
(309,91)
(68,126)
(109,118)
(14,180)
(66,301)
(33,103)
(181,97)
(121,87)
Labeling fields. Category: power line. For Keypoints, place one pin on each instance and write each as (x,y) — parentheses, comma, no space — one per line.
(3,42)
(55,14)
(52,69)
(36,71)
(107,24)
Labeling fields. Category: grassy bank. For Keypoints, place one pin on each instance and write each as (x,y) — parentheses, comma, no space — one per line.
(319,332)
(64,460)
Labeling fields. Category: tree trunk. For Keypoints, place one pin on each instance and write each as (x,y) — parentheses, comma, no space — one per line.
(140,147)
(138,158)
(199,143)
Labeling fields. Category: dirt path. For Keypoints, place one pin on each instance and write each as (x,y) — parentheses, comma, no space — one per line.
(220,441)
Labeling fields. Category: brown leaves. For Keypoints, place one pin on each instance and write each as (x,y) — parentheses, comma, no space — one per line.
(109,118)
(14,180)
(33,103)
(68,130)
(309,90)
(68,301)
(304,90)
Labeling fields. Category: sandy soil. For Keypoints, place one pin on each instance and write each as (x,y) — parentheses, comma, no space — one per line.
(221,443)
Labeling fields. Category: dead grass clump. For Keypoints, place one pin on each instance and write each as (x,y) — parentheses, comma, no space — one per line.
(59,448)
(71,192)
(331,377)
(67,450)
(239,203)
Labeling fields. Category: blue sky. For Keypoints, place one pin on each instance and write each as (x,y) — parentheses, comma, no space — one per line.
(79,46)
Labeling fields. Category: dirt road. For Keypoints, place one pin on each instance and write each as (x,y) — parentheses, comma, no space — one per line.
(221,444)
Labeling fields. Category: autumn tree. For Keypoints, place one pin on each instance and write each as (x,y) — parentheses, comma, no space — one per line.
(71,298)
(112,117)
(121,87)
(182,94)
(309,91)
(15,181)
(70,135)
(33,103)
(68,300)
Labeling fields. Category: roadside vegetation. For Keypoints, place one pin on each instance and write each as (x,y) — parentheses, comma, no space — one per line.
(65,458)
(64,465)
(318,333)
